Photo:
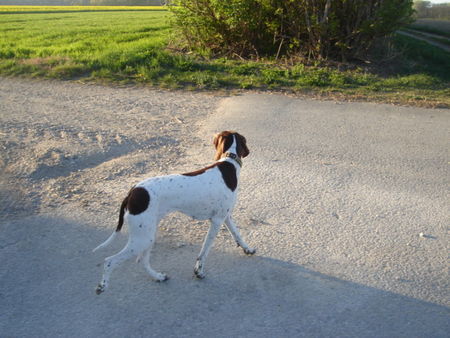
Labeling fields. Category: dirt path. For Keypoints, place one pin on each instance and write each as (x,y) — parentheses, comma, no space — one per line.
(427,38)
(66,143)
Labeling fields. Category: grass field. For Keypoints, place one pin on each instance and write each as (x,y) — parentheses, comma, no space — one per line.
(129,45)
(61,9)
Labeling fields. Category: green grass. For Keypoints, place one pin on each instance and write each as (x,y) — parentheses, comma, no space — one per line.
(423,58)
(129,45)
(80,43)
(64,9)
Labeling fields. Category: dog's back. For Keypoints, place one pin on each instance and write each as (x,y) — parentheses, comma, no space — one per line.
(200,196)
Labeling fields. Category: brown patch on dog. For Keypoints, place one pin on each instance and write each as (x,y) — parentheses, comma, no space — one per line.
(227,170)
(222,142)
(241,148)
(200,171)
(138,200)
(228,174)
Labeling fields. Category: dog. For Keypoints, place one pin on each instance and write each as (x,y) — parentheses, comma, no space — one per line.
(206,194)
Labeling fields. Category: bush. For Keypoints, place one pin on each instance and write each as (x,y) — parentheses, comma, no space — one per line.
(338,29)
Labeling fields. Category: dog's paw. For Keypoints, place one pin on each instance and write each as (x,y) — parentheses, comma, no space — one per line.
(100,289)
(161,277)
(198,270)
(198,274)
(249,251)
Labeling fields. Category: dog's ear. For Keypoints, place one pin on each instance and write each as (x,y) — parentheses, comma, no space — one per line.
(216,140)
(222,141)
(242,149)
(218,144)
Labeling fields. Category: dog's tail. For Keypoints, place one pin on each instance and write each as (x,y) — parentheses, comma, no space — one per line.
(119,226)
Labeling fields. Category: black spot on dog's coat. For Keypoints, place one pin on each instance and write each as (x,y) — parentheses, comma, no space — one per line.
(138,200)
(228,174)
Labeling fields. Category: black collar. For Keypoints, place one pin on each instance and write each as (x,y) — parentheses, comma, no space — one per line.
(234,157)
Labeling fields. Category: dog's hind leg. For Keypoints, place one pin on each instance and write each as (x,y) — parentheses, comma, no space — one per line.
(237,236)
(159,277)
(111,263)
(135,246)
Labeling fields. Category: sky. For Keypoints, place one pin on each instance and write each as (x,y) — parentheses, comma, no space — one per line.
(439,1)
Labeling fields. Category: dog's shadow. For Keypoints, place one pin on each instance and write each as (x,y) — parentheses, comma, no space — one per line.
(49,275)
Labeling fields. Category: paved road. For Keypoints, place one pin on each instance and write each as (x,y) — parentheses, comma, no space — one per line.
(347,205)
(351,198)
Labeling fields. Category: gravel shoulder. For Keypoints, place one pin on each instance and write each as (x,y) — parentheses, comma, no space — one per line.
(333,196)
(70,144)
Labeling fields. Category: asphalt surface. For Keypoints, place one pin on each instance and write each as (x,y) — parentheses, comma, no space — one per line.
(346,204)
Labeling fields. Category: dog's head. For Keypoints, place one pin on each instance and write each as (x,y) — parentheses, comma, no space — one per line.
(224,140)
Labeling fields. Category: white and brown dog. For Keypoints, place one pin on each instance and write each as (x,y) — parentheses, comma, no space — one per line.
(206,194)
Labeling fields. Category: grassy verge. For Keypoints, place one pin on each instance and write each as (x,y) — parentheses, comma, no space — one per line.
(67,9)
(130,46)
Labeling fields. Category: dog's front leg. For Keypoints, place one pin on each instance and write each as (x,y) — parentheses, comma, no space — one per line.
(199,269)
(237,236)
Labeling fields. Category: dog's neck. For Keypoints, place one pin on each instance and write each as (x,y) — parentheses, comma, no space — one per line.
(234,157)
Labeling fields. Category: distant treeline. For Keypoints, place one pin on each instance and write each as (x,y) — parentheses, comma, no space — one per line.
(81,2)
(426,9)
